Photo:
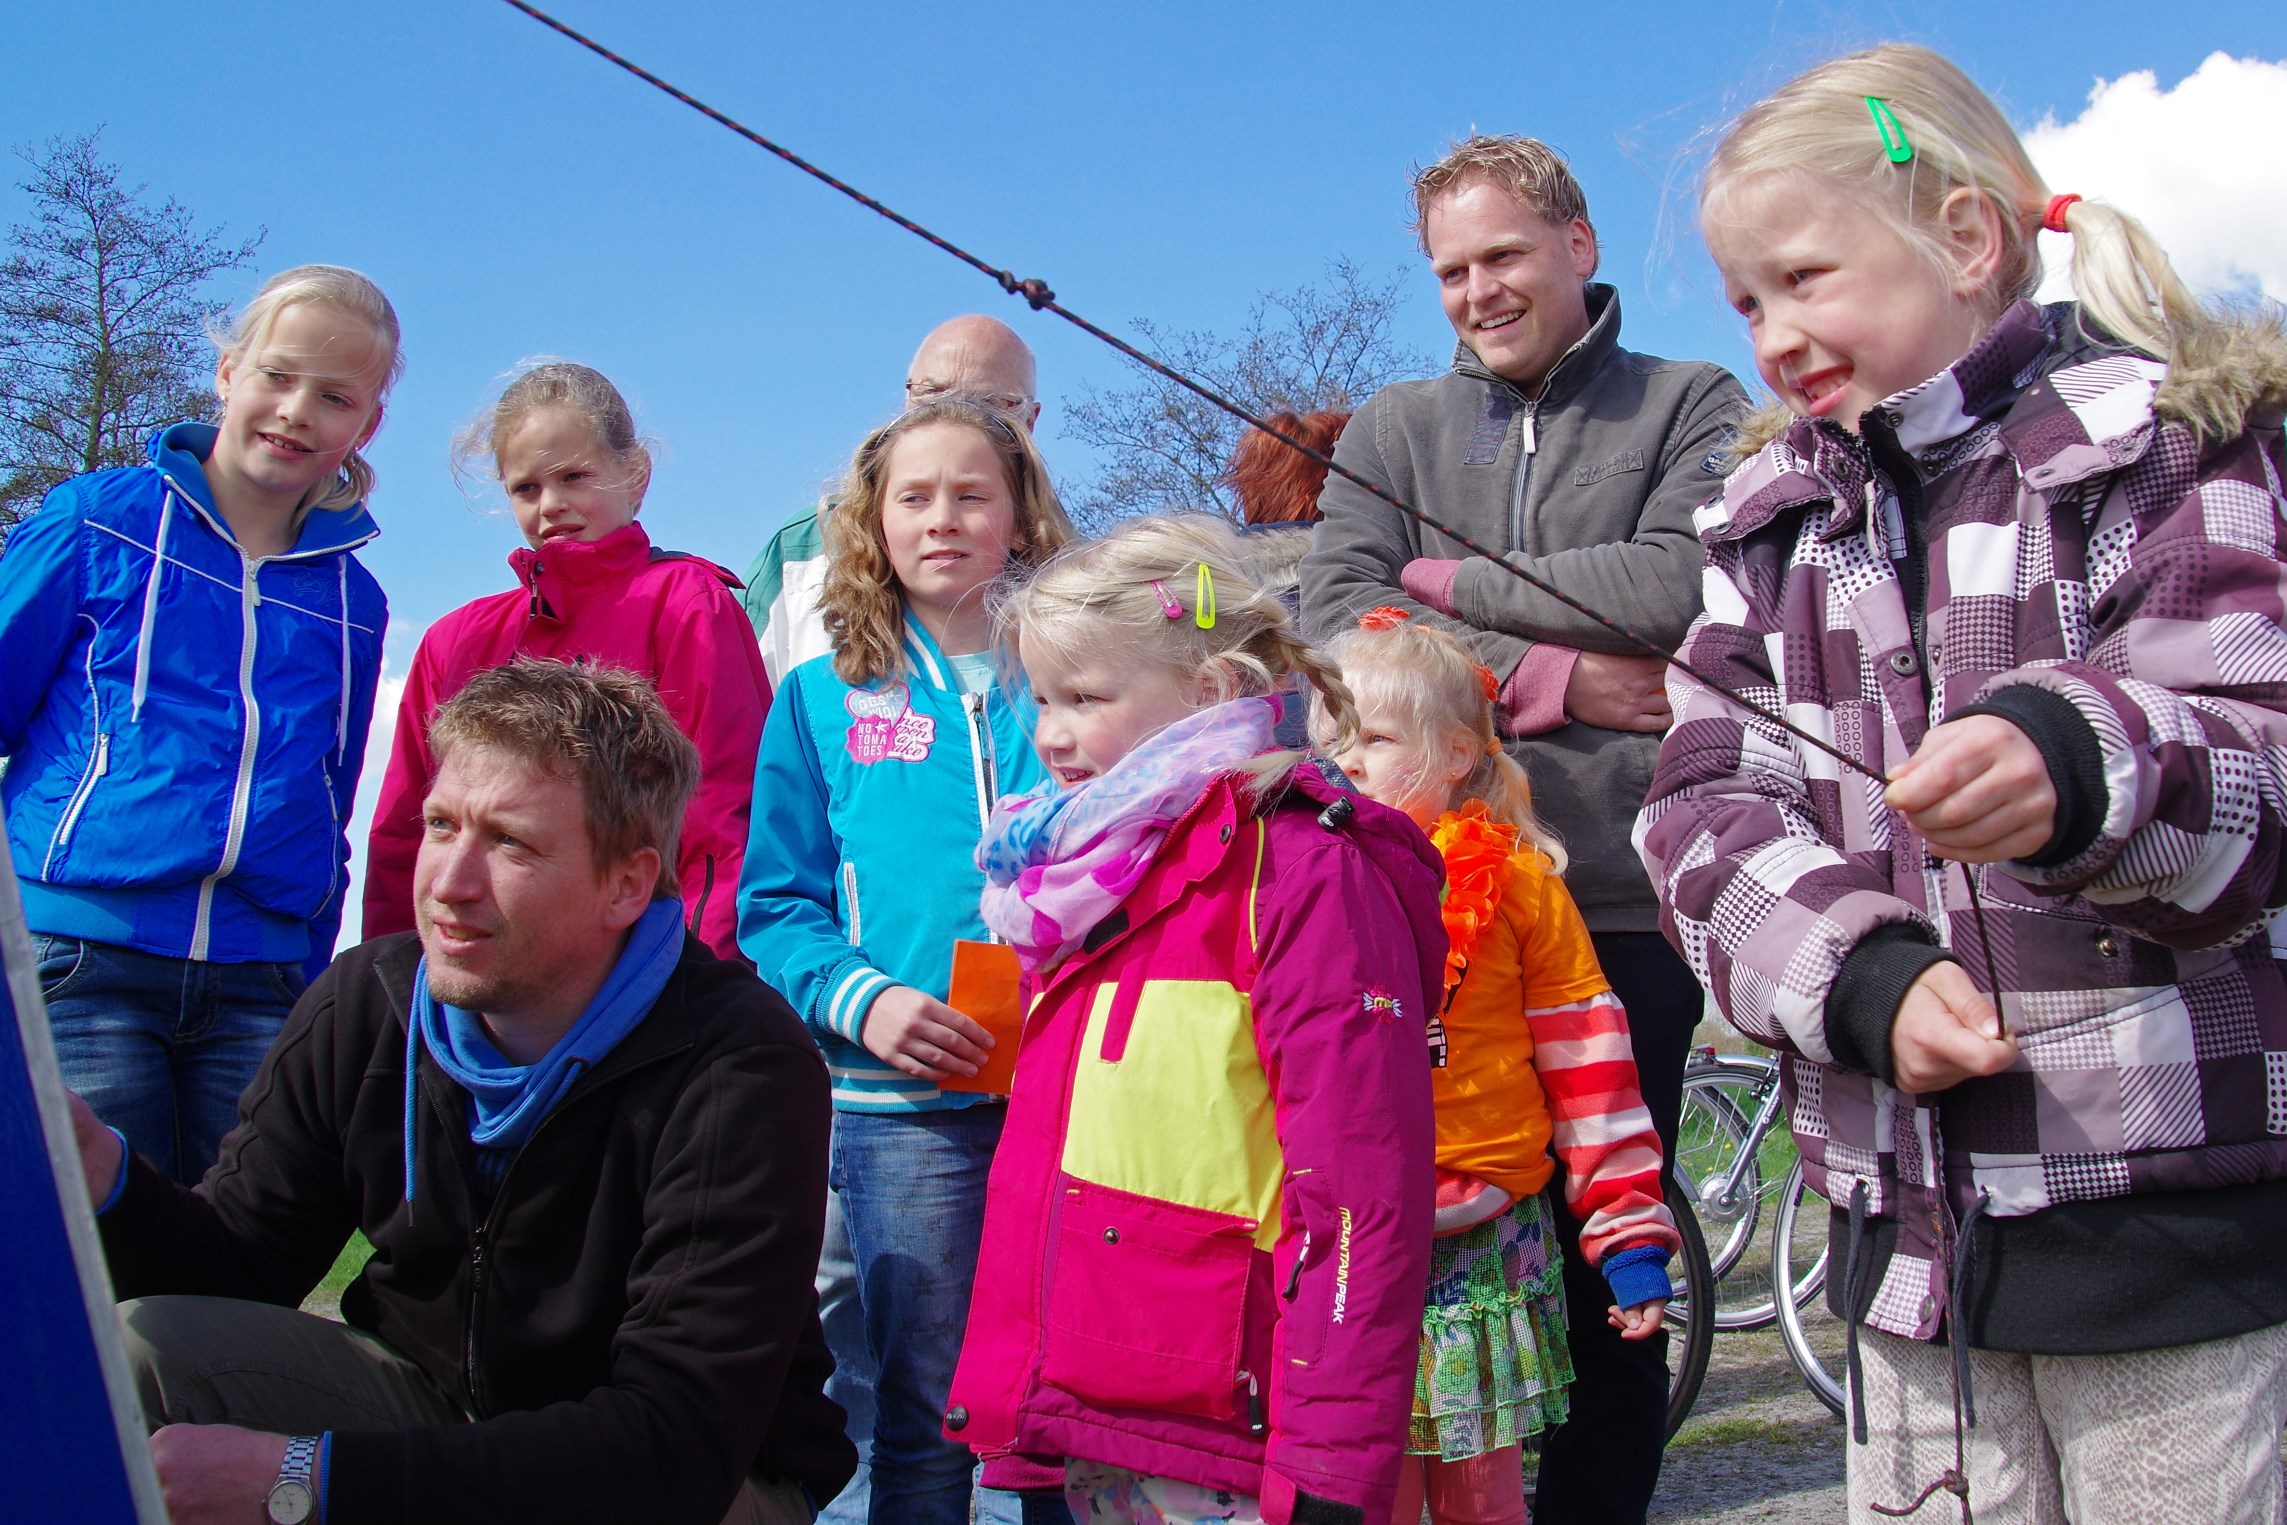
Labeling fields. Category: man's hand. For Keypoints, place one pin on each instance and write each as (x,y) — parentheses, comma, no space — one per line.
(1618,693)
(217,1474)
(1978,791)
(1945,1033)
(1640,1322)
(922,1036)
(99,1149)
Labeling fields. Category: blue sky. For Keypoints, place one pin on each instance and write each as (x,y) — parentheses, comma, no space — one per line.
(516,196)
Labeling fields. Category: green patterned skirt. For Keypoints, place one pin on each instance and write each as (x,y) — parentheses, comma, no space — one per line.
(1494,1364)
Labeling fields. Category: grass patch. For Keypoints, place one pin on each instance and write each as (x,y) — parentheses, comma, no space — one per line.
(1739,1430)
(346,1266)
(325,1298)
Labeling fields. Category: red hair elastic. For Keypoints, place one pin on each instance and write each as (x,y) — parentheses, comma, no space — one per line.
(1383,617)
(2054,218)
(1489,683)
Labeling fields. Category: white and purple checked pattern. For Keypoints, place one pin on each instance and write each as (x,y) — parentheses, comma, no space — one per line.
(2077,543)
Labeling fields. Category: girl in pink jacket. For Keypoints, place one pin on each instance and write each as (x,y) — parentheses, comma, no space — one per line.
(1208,1222)
(592,586)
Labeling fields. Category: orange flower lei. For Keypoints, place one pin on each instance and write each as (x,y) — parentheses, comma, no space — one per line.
(1479,858)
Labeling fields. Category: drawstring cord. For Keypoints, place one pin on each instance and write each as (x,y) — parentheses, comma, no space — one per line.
(1853,1266)
(341,720)
(151,605)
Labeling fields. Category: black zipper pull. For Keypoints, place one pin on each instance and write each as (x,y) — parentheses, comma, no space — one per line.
(1255,1425)
(1294,1277)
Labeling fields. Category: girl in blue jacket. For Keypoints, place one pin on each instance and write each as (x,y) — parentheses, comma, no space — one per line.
(878,769)
(192,653)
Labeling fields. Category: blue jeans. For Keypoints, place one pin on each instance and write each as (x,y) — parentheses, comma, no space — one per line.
(161,1047)
(852,1385)
(912,1188)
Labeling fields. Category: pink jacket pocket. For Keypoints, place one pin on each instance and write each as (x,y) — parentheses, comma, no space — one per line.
(1147,1305)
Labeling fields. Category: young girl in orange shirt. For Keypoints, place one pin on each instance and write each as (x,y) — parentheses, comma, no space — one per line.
(1530,1055)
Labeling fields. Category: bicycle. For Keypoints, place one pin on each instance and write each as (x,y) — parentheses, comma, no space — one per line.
(1691,1339)
(1733,1154)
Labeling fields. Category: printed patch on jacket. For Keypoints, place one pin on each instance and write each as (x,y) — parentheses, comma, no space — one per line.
(1492,428)
(1626,460)
(1382,1006)
(884,727)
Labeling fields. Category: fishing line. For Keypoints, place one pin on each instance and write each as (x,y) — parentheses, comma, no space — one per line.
(1040,298)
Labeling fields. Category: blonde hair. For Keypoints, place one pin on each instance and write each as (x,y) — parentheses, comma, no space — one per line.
(1106,594)
(583,391)
(863,605)
(1430,685)
(330,286)
(1819,124)
(605,728)
(1528,169)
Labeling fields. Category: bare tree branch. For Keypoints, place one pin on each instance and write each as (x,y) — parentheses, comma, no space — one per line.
(1325,344)
(102,321)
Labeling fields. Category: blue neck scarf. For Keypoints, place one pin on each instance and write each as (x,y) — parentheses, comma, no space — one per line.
(508,1101)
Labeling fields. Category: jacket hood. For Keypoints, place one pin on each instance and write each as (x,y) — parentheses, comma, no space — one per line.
(1277,550)
(1575,365)
(1397,847)
(180,453)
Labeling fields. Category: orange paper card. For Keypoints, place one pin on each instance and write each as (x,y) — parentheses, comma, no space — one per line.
(987,990)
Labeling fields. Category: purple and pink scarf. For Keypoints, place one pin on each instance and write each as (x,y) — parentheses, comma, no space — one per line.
(1057,864)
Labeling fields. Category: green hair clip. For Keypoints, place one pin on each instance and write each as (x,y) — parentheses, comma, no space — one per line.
(1893,136)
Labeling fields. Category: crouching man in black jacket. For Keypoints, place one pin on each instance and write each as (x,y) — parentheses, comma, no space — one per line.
(590,1156)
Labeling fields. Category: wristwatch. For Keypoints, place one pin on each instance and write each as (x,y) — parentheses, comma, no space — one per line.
(292,1500)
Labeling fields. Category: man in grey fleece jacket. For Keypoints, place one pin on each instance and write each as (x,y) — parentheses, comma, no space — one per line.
(1581,461)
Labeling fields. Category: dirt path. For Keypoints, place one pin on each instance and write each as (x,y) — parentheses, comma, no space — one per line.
(1757,1447)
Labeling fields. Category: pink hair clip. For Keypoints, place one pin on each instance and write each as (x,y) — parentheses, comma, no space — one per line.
(1167,604)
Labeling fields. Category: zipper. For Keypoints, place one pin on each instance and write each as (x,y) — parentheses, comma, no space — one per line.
(1882,453)
(981,761)
(241,796)
(850,899)
(333,810)
(476,1303)
(1527,446)
(98,764)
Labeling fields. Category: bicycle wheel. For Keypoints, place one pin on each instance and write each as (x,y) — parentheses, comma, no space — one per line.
(1814,1337)
(1732,1152)
(1691,1334)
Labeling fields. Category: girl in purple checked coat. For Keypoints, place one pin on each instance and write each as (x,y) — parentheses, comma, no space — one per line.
(2024,564)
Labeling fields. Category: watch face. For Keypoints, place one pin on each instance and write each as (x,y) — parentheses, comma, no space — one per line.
(291,1503)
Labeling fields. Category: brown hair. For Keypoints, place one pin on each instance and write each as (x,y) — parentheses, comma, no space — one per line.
(863,605)
(1528,169)
(1431,684)
(580,390)
(604,727)
(1276,483)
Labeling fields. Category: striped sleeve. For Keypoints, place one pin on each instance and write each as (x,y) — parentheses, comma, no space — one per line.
(1602,1130)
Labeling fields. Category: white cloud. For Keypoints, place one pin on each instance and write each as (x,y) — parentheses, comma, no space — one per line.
(377,743)
(2195,164)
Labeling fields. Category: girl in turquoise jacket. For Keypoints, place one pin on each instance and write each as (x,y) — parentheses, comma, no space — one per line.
(879,767)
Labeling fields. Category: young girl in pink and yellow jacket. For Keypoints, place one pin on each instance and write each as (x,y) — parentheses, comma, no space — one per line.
(1208,1224)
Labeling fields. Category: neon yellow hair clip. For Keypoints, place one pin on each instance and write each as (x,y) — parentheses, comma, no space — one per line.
(1203,607)
(1893,136)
